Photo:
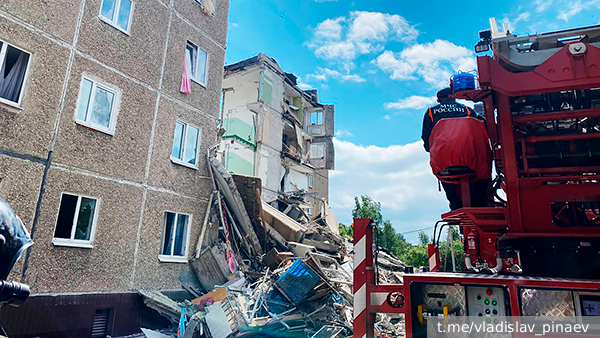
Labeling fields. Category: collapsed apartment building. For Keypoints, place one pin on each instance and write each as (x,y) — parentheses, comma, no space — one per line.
(278,132)
(100,153)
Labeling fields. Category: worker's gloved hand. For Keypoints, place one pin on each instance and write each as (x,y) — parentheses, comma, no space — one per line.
(14,239)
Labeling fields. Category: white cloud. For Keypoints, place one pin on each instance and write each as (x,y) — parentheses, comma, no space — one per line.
(336,50)
(412,102)
(326,74)
(343,39)
(433,62)
(302,85)
(353,78)
(398,176)
(573,9)
(330,29)
(343,133)
(542,5)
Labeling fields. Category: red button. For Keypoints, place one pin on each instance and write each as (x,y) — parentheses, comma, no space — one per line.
(489,292)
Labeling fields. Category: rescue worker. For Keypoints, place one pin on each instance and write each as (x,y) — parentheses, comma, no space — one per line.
(457,140)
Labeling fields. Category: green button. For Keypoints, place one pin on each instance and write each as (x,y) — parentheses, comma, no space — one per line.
(494,303)
(486,302)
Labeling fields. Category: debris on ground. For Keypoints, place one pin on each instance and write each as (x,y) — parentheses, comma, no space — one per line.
(267,269)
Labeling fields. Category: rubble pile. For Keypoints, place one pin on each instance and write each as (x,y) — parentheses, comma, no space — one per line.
(268,270)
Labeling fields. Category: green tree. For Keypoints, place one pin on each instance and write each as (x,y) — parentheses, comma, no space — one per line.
(415,255)
(346,230)
(366,207)
(423,239)
(392,241)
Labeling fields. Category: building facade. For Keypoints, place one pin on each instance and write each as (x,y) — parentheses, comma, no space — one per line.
(101,154)
(276,131)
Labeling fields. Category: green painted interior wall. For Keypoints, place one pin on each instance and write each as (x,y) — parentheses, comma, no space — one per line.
(267,90)
(234,127)
(236,164)
(297,102)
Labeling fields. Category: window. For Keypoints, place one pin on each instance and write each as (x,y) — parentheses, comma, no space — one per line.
(310,182)
(97,106)
(175,238)
(317,150)
(14,64)
(316,118)
(185,145)
(117,13)
(76,221)
(197,63)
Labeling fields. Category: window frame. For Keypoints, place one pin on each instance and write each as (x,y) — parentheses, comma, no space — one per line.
(318,112)
(3,50)
(72,242)
(112,124)
(193,76)
(113,22)
(172,258)
(310,155)
(310,181)
(182,150)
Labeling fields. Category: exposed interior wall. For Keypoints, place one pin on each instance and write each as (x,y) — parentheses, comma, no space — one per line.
(245,86)
(238,157)
(240,123)
(295,180)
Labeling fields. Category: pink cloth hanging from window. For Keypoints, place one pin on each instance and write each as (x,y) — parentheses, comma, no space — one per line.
(186,81)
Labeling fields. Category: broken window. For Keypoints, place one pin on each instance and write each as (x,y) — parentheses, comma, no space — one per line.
(76,220)
(185,144)
(97,106)
(13,69)
(317,150)
(175,237)
(310,181)
(117,13)
(197,60)
(316,118)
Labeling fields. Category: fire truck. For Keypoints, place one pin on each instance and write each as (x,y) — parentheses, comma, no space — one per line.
(537,251)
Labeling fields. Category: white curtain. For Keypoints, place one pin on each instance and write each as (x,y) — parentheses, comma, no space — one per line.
(10,86)
(208,6)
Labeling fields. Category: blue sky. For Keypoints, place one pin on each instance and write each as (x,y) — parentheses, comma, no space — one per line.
(380,62)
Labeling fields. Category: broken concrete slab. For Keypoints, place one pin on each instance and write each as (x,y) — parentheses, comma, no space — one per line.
(323,246)
(211,268)
(300,249)
(283,224)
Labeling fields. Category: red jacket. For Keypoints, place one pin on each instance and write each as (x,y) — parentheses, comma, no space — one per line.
(461,141)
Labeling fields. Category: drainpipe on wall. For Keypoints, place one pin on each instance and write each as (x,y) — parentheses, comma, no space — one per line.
(36,217)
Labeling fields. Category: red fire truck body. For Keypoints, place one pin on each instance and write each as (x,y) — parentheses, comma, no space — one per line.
(537,252)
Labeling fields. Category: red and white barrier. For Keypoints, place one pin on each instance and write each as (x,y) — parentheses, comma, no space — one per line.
(363,277)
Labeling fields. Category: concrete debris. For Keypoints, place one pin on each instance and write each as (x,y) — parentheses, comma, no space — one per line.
(265,273)
(288,228)
(154,334)
(217,321)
